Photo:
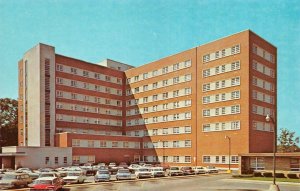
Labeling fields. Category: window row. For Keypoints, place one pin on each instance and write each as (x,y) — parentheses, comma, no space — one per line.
(168,144)
(263,126)
(263,84)
(221,53)
(221,84)
(104,144)
(171,159)
(160,84)
(164,70)
(221,97)
(220,159)
(161,107)
(162,131)
(221,69)
(260,110)
(88,120)
(158,97)
(80,159)
(56,161)
(263,97)
(87,131)
(89,109)
(88,86)
(263,53)
(228,110)
(224,126)
(87,74)
(87,98)
(160,119)
(263,69)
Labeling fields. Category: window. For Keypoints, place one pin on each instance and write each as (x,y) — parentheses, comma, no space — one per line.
(235,159)
(165,82)
(206,87)
(154,108)
(154,85)
(206,58)
(56,160)
(145,88)
(176,66)
(175,80)
(65,160)
(175,158)
(73,83)
(188,115)
(187,63)
(136,90)
(165,131)
(175,144)
(217,85)
(187,159)
(176,93)
(175,117)
(154,97)
(85,73)
(165,144)
(257,163)
(103,144)
(136,78)
(187,129)
(206,159)
(206,73)
(188,77)
(235,125)
(295,164)
(145,109)
(165,118)
(187,143)
(206,99)
(165,106)
(154,131)
(206,127)
(154,119)
(165,70)
(165,95)
(176,104)
(47,160)
(145,99)
(175,130)
(59,67)
(187,91)
(206,112)
(145,76)
(223,159)
(223,68)
(115,144)
(188,102)
(73,70)
(154,73)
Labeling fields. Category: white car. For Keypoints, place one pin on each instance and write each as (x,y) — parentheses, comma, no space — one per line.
(75,177)
(157,172)
(211,169)
(199,170)
(174,171)
(134,167)
(143,173)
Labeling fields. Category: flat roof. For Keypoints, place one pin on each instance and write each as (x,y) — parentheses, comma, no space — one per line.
(9,154)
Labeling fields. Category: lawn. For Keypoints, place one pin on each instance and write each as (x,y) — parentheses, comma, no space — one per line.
(270,179)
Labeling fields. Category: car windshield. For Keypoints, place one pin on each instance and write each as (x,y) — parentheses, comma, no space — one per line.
(103,172)
(123,171)
(9,177)
(143,169)
(43,182)
(73,174)
(47,175)
(174,168)
(157,169)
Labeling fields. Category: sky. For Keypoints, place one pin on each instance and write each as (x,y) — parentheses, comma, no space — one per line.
(140,31)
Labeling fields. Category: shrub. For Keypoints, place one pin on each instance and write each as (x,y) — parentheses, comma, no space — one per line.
(257,174)
(279,175)
(292,175)
(268,174)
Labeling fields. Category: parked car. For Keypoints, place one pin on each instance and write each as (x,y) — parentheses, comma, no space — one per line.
(102,175)
(123,174)
(53,175)
(15,180)
(157,171)
(48,183)
(174,171)
(33,175)
(211,169)
(123,165)
(134,167)
(75,177)
(112,164)
(143,173)
(199,170)
(187,170)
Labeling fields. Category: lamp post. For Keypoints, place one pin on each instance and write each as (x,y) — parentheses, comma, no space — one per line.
(229,152)
(273,186)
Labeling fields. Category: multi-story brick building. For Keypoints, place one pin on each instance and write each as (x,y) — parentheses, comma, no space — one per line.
(176,110)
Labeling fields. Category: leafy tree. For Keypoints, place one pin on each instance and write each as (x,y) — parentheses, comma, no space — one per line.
(287,141)
(8,122)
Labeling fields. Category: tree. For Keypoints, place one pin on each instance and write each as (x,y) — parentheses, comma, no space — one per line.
(287,141)
(8,122)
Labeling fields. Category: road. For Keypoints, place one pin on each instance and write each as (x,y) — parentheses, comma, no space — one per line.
(214,182)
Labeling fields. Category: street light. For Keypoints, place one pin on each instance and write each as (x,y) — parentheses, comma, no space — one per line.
(273,186)
(229,151)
